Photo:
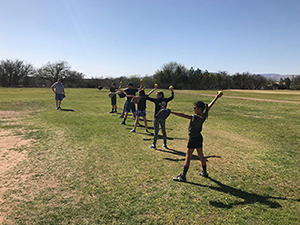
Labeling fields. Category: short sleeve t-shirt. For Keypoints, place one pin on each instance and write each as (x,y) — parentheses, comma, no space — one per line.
(59,87)
(195,126)
(130,91)
(142,103)
(112,89)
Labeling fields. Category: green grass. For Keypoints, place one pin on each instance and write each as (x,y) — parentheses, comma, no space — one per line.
(86,168)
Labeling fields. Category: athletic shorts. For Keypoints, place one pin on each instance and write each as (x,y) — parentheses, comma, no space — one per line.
(195,142)
(130,106)
(114,100)
(141,113)
(59,97)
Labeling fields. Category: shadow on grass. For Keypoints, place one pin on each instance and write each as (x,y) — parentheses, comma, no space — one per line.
(249,198)
(159,137)
(175,152)
(67,110)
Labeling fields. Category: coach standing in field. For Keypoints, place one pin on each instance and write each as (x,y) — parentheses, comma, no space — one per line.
(59,90)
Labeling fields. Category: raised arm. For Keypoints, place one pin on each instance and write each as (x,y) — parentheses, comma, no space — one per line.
(120,85)
(155,87)
(141,84)
(219,95)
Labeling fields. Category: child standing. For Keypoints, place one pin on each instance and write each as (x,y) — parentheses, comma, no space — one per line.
(160,103)
(130,106)
(141,107)
(195,137)
(113,90)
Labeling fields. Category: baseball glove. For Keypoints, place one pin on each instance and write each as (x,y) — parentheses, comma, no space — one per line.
(122,95)
(111,94)
(163,114)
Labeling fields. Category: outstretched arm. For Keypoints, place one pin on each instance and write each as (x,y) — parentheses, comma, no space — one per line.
(182,115)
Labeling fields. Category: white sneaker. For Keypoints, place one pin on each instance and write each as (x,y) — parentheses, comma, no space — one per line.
(152,146)
(165,147)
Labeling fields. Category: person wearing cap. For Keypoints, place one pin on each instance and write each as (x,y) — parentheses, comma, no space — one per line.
(59,90)
(130,106)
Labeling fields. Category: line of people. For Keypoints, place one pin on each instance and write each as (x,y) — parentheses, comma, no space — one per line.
(195,126)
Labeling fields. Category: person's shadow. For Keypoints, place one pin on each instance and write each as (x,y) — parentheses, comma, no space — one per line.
(176,152)
(67,110)
(249,198)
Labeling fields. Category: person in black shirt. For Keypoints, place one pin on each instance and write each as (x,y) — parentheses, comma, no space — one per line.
(160,103)
(195,137)
(141,107)
(113,90)
(130,106)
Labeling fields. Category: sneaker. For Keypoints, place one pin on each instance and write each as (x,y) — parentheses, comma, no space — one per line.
(133,131)
(146,130)
(123,123)
(57,107)
(121,116)
(203,174)
(152,146)
(180,178)
(111,112)
(165,147)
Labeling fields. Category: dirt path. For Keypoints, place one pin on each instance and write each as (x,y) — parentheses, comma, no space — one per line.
(11,154)
(242,98)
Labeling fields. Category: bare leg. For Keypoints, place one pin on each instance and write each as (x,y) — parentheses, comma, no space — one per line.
(145,120)
(203,162)
(137,118)
(201,156)
(188,156)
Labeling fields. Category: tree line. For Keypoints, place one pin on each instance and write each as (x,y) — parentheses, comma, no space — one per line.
(17,73)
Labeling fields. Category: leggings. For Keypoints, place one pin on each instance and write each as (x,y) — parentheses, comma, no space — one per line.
(162,123)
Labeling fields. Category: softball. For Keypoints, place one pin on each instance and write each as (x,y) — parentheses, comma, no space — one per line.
(120,82)
(141,80)
(171,86)
(155,85)
(220,92)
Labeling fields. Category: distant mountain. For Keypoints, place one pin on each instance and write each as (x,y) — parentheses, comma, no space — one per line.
(276,76)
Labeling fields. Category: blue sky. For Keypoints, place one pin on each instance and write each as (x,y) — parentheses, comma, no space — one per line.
(112,38)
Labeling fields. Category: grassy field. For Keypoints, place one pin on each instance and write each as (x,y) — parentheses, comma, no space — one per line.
(86,168)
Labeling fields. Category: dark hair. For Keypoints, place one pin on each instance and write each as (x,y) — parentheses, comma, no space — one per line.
(200,104)
(161,93)
(142,93)
(113,84)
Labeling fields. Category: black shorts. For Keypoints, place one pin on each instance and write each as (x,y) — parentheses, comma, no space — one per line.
(113,100)
(195,142)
